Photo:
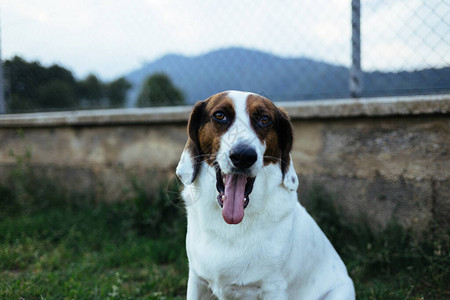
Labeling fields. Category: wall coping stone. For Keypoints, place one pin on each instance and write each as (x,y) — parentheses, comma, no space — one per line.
(438,104)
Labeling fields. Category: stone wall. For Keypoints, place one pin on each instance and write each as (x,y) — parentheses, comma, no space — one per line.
(383,158)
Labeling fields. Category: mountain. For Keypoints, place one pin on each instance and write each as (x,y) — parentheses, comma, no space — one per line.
(424,81)
(279,78)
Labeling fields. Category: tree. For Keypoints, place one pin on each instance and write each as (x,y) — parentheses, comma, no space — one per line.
(30,82)
(24,78)
(56,72)
(91,89)
(57,94)
(158,90)
(116,92)
(33,87)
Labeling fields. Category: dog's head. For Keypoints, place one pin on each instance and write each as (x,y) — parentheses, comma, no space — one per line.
(238,134)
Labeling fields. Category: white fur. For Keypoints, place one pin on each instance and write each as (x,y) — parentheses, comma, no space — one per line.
(276,252)
(240,132)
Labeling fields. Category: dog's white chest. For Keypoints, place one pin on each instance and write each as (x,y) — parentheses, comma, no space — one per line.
(228,272)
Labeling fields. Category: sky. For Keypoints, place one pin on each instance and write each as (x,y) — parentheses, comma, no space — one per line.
(110,38)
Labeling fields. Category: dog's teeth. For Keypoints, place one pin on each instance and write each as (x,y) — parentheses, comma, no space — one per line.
(220,199)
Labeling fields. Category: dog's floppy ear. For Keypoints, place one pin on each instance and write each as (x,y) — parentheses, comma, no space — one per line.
(290,180)
(285,140)
(189,164)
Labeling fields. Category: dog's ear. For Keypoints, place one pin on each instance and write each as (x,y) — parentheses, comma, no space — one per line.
(285,140)
(189,164)
(290,179)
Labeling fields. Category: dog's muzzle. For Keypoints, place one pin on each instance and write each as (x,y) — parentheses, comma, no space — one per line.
(234,188)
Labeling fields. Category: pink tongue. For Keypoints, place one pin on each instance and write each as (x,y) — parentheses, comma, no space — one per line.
(233,204)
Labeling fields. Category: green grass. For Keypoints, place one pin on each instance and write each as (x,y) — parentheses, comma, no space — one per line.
(56,245)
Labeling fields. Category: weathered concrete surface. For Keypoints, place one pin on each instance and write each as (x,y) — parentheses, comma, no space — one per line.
(388,106)
(382,158)
(343,108)
(156,115)
(381,167)
(107,157)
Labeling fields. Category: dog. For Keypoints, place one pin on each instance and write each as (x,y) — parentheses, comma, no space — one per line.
(247,235)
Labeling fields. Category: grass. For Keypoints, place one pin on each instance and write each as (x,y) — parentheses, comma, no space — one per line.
(55,245)
(59,246)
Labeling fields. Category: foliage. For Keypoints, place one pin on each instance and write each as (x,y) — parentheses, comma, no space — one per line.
(83,252)
(116,92)
(57,94)
(33,87)
(92,90)
(31,83)
(158,90)
(56,245)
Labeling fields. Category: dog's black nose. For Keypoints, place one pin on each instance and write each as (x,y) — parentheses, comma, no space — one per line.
(243,156)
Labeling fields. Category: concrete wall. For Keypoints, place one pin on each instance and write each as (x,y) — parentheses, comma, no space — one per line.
(382,158)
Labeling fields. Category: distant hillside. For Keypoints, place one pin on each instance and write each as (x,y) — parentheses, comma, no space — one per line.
(425,81)
(277,77)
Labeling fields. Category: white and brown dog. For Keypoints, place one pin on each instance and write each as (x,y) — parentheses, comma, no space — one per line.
(237,159)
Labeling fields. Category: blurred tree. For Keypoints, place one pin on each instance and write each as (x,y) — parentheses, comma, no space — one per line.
(116,92)
(91,89)
(57,94)
(25,80)
(158,90)
(32,87)
(15,103)
(22,80)
(56,72)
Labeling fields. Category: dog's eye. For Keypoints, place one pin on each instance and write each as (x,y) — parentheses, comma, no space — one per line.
(220,116)
(264,121)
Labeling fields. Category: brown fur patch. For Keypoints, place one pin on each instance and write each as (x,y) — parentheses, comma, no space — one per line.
(257,107)
(210,132)
(285,133)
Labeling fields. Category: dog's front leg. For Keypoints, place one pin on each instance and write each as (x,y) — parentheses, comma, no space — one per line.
(197,288)
(275,289)
(343,292)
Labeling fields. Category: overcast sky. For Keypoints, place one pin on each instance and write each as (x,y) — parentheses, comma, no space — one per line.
(112,37)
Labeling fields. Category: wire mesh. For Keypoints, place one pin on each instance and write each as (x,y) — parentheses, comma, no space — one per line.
(290,50)
(406,47)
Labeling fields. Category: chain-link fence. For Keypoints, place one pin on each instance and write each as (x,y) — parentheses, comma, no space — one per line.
(405,47)
(290,50)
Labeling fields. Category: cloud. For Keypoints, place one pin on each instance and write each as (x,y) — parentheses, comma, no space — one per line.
(405,35)
(111,38)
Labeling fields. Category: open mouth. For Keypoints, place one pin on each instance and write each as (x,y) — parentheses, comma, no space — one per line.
(234,190)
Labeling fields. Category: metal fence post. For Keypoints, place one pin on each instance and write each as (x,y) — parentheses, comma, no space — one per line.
(355,80)
(2,92)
